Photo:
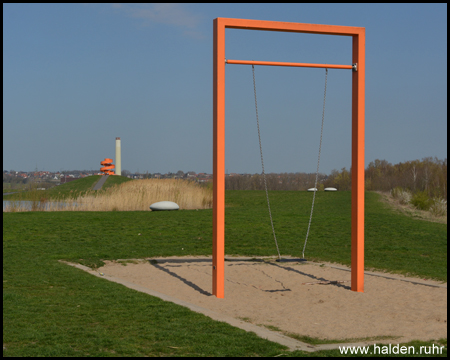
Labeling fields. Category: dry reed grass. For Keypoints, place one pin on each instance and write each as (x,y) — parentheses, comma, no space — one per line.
(140,194)
(135,195)
(410,210)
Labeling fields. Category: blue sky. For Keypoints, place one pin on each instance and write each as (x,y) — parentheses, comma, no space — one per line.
(76,76)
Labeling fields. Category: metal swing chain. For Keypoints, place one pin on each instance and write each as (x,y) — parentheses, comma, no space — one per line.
(318,162)
(262,163)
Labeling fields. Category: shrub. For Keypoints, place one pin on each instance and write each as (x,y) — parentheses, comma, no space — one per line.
(403,196)
(439,207)
(421,200)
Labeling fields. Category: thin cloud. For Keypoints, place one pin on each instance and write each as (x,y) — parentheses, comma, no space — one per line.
(168,14)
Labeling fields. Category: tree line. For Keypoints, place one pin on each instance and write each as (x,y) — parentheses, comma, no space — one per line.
(283,181)
(428,175)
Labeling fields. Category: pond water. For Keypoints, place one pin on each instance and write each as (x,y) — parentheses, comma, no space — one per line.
(28,204)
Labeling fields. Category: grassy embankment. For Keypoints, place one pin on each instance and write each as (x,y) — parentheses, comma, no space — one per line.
(50,309)
(117,194)
(69,190)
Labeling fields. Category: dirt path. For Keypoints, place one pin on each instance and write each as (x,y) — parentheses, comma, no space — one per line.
(100,183)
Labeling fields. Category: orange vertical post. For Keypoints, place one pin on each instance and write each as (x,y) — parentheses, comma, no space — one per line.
(358,106)
(218,262)
(358,112)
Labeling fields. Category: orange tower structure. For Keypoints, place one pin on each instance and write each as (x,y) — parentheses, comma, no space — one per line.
(358,35)
(108,167)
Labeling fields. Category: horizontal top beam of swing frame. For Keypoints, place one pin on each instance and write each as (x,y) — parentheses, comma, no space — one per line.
(245,24)
(275,63)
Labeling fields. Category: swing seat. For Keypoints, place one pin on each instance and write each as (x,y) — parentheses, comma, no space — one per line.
(291,260)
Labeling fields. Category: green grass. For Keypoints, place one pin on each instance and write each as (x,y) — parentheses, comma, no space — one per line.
(8,188)
(115,180)
(70,190)
(51,309)
(393,242)
(67,190)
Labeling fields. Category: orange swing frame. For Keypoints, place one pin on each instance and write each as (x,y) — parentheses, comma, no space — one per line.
(358,107)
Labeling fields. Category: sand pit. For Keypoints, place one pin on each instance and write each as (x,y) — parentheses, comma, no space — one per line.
(281,295)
